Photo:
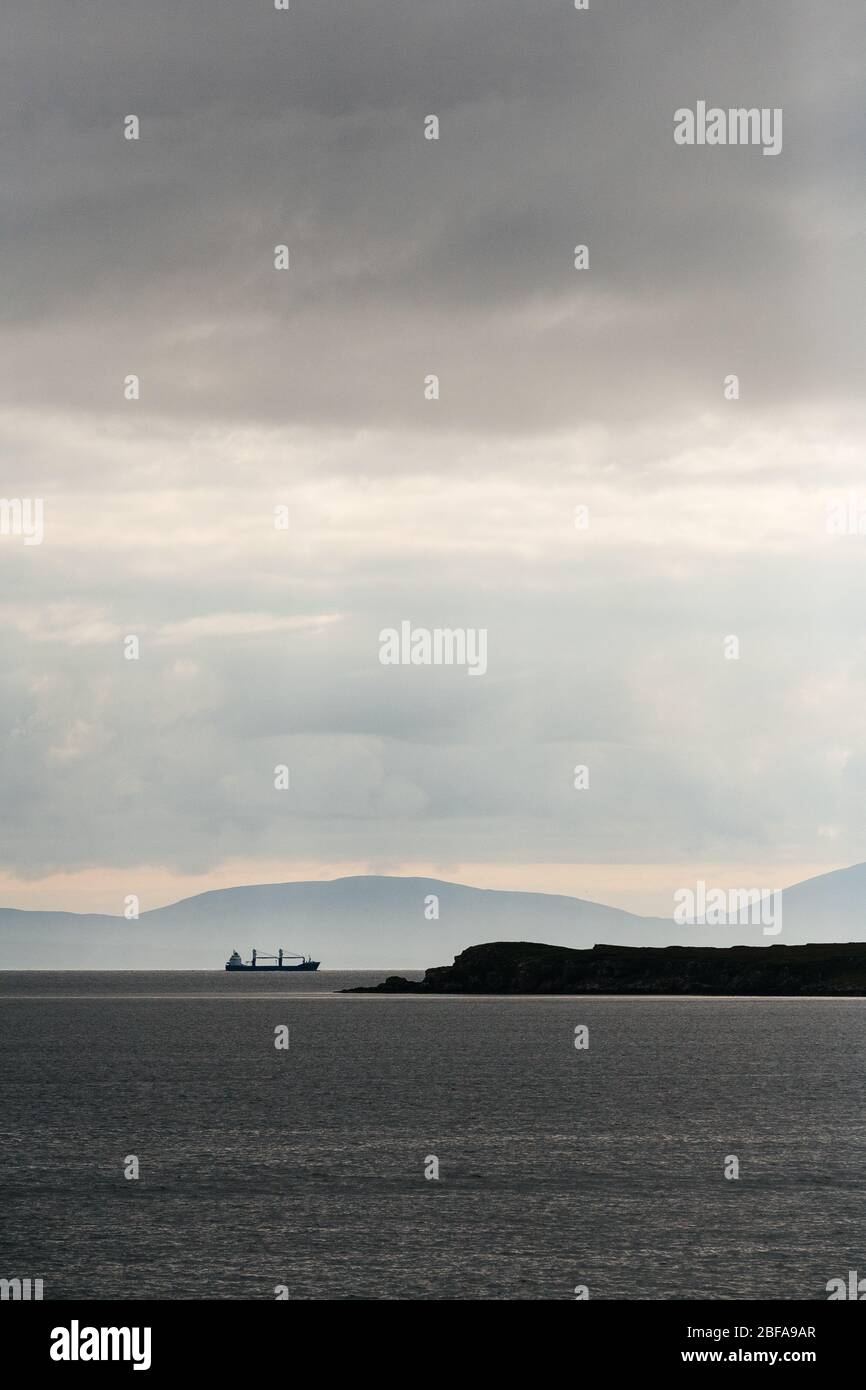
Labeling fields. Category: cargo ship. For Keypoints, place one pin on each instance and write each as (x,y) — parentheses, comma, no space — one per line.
(234,962)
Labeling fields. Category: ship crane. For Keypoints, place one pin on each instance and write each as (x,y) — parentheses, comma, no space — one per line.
(280,956)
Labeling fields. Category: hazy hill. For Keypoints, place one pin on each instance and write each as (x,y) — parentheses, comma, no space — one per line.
(379,922)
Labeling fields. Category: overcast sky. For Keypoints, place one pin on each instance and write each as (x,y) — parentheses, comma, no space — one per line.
(559,388)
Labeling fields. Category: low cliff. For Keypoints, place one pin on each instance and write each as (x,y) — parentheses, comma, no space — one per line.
(525,967)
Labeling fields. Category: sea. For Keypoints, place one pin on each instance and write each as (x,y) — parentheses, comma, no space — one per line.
(202,1135)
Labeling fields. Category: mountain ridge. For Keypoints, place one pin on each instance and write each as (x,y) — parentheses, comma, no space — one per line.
(375,921)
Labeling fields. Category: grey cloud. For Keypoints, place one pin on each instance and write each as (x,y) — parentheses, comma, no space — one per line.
(411,257)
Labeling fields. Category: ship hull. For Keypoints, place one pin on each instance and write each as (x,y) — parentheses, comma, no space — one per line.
(283,969)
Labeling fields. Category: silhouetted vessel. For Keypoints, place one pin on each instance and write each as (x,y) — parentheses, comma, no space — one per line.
(234,962)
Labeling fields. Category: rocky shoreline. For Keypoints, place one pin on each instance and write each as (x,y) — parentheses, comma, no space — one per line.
(525,967)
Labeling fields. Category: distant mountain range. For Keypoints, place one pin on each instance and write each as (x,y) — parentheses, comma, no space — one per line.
(378,922)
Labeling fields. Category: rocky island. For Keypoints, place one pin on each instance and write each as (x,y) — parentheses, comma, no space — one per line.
(527,967)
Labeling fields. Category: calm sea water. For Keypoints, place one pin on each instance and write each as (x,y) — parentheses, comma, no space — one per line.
(305,1168)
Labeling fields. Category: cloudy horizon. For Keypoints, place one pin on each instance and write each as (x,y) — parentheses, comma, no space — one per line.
(584,490)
